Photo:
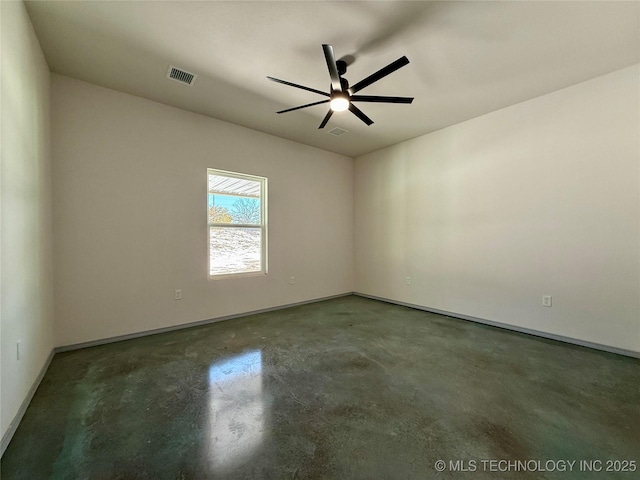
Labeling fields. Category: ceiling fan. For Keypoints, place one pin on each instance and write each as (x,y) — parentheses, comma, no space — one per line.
(342,96)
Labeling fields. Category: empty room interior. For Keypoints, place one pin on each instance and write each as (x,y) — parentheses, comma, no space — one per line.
(320,240)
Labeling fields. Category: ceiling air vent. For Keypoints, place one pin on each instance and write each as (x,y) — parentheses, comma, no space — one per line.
(337,131)
(181,76)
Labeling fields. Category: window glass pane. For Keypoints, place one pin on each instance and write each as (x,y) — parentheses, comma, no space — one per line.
(234,209)
(234,250)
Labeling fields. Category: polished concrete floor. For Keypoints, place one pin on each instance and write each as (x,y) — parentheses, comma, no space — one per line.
(348,388)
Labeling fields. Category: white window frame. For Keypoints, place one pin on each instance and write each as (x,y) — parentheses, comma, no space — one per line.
(262,226)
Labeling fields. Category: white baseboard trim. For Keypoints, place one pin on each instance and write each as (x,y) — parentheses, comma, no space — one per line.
(129,336)
(506,326)
(13,426)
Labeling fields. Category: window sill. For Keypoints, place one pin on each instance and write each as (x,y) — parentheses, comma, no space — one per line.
(237,275)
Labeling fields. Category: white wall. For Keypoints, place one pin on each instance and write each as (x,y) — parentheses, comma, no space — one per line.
(489,215)
(26,314)
(130,215)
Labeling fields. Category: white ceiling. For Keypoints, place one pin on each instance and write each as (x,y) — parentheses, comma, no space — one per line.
(467,58)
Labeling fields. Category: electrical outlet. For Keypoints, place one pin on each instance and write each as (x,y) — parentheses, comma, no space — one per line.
(178,295)
(18,351)
(292,280)
(546,300)
(407,280)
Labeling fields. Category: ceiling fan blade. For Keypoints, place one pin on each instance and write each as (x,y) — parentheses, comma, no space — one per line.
(326,119)
(383,72)
(358,113)
(333,68)
(298,86)
(303,106)
(374,98)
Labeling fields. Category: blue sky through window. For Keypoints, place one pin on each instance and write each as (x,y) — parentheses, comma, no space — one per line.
(224,201)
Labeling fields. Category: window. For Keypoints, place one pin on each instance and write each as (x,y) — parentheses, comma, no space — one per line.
(237,214)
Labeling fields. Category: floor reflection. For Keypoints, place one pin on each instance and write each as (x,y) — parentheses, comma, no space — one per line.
(236,411)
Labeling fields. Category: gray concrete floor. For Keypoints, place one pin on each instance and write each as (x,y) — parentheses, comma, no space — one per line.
(340,389)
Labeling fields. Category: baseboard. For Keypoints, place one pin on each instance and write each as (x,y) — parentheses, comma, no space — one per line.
(130,336)
(13,426)
(514,328)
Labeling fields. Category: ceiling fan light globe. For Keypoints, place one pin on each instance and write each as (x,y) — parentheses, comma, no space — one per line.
(339,104)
